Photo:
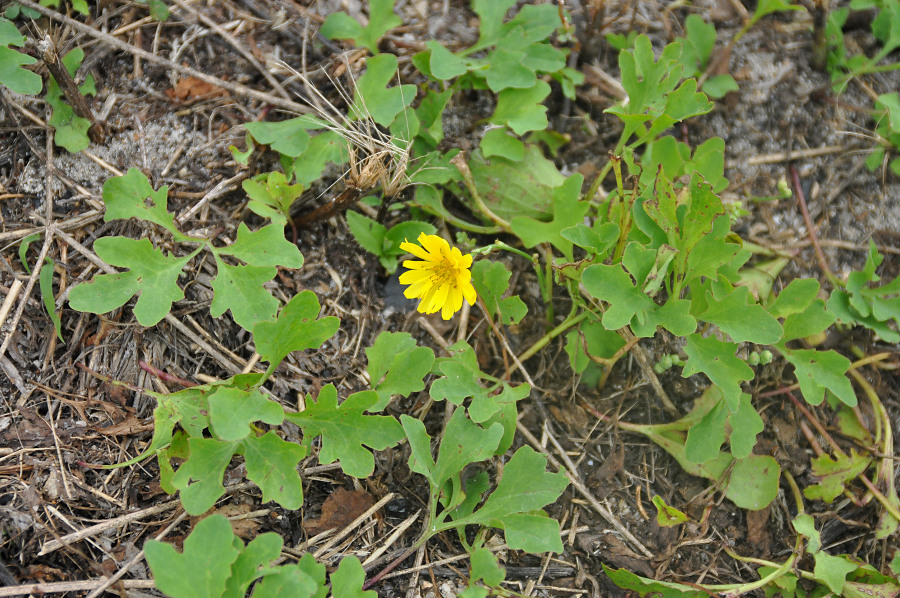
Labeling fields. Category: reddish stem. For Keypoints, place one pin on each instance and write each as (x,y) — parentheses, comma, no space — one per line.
(801,199)
(165,375)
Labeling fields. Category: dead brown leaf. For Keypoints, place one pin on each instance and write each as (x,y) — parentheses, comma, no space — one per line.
(340,508)
(191,89)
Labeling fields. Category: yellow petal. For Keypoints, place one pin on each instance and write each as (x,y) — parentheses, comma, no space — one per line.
(414,276)
(417,265)
(453,303)
(416,251)
(417,289)
(468,291)
(427,299)
(434,244)
(439,298)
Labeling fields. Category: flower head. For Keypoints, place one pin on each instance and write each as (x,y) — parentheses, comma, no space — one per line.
(441,280)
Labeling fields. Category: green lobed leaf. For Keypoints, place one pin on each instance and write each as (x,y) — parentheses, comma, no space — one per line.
(568,211)
(745,424)
(705,438)
(151,273)
(806,526)
(514,505)
(270,195)
(795,298)
(491,14)
(367,232)
(340,25)
(397,366)
(463,442)
(521,109)
(818,371)
(753,483)
(718,361)
(272,465)
(324,148)
(834,474)
(264,247)
(287,581)
(507,69)
(483,409)
(460,381)
(381,20)
(533,24)
(295,329)
(486,568)
(12,75)
(832,570)
(252,563)
(719,86)
(544,57)
(613,285)
(598,239)
(491,281)
(420,459)
(443,63)
(346,431)
(497,142)
(516,188)
(202,569)
(70,129)
(288,137)
(232,410)
(813,320)
(740,317)
(240,289)
(316,570)
(647,81)
(430,114)
(372,96)
(697,44)
(131,196)
(199,479)
(348,579)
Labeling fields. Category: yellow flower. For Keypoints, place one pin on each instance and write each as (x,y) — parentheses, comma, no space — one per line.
(442,280)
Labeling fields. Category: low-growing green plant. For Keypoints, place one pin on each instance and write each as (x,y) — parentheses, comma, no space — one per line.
(887,127)
(12,75)
(655,257)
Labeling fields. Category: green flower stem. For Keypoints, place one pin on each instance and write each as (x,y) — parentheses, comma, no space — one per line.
(885,470)
(891,505)
(541,275)
(498,244)
(542,342)
(459,160)
(598,180)
(738,589)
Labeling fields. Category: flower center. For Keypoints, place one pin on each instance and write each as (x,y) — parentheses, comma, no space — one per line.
(444,272)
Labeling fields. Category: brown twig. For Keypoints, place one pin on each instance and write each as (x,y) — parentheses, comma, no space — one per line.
(53,61)
(810,228)
(338,205)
